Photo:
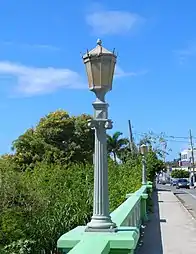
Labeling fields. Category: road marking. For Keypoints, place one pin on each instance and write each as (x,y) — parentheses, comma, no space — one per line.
(190,194)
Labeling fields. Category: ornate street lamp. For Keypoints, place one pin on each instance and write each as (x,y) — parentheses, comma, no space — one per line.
(100,65)
(144,150)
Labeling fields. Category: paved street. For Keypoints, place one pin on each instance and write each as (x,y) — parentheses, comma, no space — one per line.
(171,229)
(186,196)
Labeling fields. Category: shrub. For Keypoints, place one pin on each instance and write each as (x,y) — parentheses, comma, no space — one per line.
(180,174)
(42,204)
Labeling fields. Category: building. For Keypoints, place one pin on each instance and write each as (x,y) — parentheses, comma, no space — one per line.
(186,161)
(186,157)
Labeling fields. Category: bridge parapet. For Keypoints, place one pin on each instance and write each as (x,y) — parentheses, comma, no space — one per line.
(128,218)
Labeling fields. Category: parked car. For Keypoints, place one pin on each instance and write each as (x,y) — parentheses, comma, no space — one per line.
(174,182)
(182,183)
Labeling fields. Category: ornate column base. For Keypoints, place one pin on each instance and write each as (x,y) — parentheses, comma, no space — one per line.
(101,223)
(112,229)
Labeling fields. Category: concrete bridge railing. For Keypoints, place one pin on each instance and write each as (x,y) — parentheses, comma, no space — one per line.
(128,218)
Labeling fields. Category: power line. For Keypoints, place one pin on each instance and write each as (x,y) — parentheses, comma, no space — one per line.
(167,137)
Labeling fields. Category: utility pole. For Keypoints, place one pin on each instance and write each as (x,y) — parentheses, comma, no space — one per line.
(164,159)
(130,136)
(180,161)
(165,150)
(192,156)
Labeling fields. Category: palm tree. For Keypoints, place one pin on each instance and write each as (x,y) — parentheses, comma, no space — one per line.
(115,144)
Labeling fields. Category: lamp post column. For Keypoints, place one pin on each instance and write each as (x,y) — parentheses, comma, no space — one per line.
(101,220)
(144,150)
(144,181)
(100,65)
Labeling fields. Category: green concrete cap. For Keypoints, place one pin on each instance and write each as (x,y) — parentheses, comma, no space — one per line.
(144,196)
(125,238)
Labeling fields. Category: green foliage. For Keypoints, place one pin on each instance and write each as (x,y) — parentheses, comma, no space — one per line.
(157,143)
(42,204)
(154,165)
(19,247)
(123,179)
(180,174)
(57,138)
(46,187)
(115,144)
(126,154)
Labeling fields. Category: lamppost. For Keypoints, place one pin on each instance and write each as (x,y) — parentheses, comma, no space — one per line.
(144,150)
(100,65)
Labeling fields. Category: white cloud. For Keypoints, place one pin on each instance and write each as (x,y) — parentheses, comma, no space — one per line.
(41,46)
(113,22)
(120,73)
(33,80)
(30,46)
(187,52)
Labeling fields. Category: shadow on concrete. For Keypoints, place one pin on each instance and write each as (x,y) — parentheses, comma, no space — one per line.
(160,189)
(151,241)
(179,193)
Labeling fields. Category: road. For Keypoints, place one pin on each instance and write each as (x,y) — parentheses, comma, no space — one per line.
(186,196)
(171,229)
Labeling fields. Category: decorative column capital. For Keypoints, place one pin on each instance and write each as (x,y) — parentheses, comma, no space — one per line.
(100,123)
(92,123)
(109,124)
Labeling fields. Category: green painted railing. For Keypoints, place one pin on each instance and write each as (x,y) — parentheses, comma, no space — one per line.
(128,218)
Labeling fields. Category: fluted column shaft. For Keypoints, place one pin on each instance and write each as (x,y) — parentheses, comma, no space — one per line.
(144,178)
(101,220)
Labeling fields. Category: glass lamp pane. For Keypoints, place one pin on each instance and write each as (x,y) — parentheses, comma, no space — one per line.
(89,74)
(96,73)
(144,149)
(106,73)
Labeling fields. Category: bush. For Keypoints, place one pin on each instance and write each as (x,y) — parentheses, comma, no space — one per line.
(20,246)
(43,204)
(123,179)
(154,165)
(179,174)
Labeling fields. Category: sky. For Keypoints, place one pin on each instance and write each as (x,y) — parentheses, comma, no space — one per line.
(41,68)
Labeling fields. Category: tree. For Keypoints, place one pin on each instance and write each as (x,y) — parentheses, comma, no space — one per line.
(39,205)
(56,138)
(154,165)
(180,174)
(115,144)
(157,143)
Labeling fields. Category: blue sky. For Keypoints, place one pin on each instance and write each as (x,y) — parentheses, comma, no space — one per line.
(41,68)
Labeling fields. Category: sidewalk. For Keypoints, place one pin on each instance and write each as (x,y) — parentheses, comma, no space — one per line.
(171,229)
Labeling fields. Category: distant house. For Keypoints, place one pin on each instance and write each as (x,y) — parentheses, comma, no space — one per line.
(186,157)
(186,161)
